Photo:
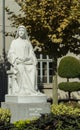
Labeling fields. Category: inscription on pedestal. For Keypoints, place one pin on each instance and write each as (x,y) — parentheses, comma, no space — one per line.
(35,111)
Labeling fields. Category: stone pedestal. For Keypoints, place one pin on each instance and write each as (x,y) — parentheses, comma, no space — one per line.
(26,107)
(26,99)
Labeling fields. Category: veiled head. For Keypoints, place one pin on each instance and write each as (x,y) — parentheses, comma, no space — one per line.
(25,32)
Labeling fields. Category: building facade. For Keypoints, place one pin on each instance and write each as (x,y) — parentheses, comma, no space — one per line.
(14,7)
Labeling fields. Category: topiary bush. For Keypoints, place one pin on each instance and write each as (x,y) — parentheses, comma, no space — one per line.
(69,87)
(69,67)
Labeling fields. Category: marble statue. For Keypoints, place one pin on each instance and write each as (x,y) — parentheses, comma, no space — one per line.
(23,63)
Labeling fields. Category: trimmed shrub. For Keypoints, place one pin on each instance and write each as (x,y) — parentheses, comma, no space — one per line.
(69,67)
(69,86)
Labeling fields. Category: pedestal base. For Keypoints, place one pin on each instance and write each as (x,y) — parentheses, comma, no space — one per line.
(23,111)
(26,107)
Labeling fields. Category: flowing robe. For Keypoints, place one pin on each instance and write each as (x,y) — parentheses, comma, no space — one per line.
(23,61)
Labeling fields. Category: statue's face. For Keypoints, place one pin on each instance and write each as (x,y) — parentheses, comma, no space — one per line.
(21,32)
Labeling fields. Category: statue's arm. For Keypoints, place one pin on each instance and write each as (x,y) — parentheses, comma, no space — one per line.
(11,53)
(12,57)
(32,54)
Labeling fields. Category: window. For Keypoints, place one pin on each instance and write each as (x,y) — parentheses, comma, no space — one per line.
(45,69)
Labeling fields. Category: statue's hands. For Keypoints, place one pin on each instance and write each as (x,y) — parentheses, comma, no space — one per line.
(26,59)
(14,69)
(18,61)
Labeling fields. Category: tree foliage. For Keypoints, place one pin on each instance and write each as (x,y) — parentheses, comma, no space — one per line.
(51,24)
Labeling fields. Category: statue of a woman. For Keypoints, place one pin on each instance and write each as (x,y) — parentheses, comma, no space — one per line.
(23,60)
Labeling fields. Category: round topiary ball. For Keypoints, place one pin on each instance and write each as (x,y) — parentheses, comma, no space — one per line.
(69,67)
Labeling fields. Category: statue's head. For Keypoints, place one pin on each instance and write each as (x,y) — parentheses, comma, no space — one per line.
(21,32)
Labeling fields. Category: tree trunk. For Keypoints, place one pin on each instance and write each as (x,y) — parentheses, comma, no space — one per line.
(55,89)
